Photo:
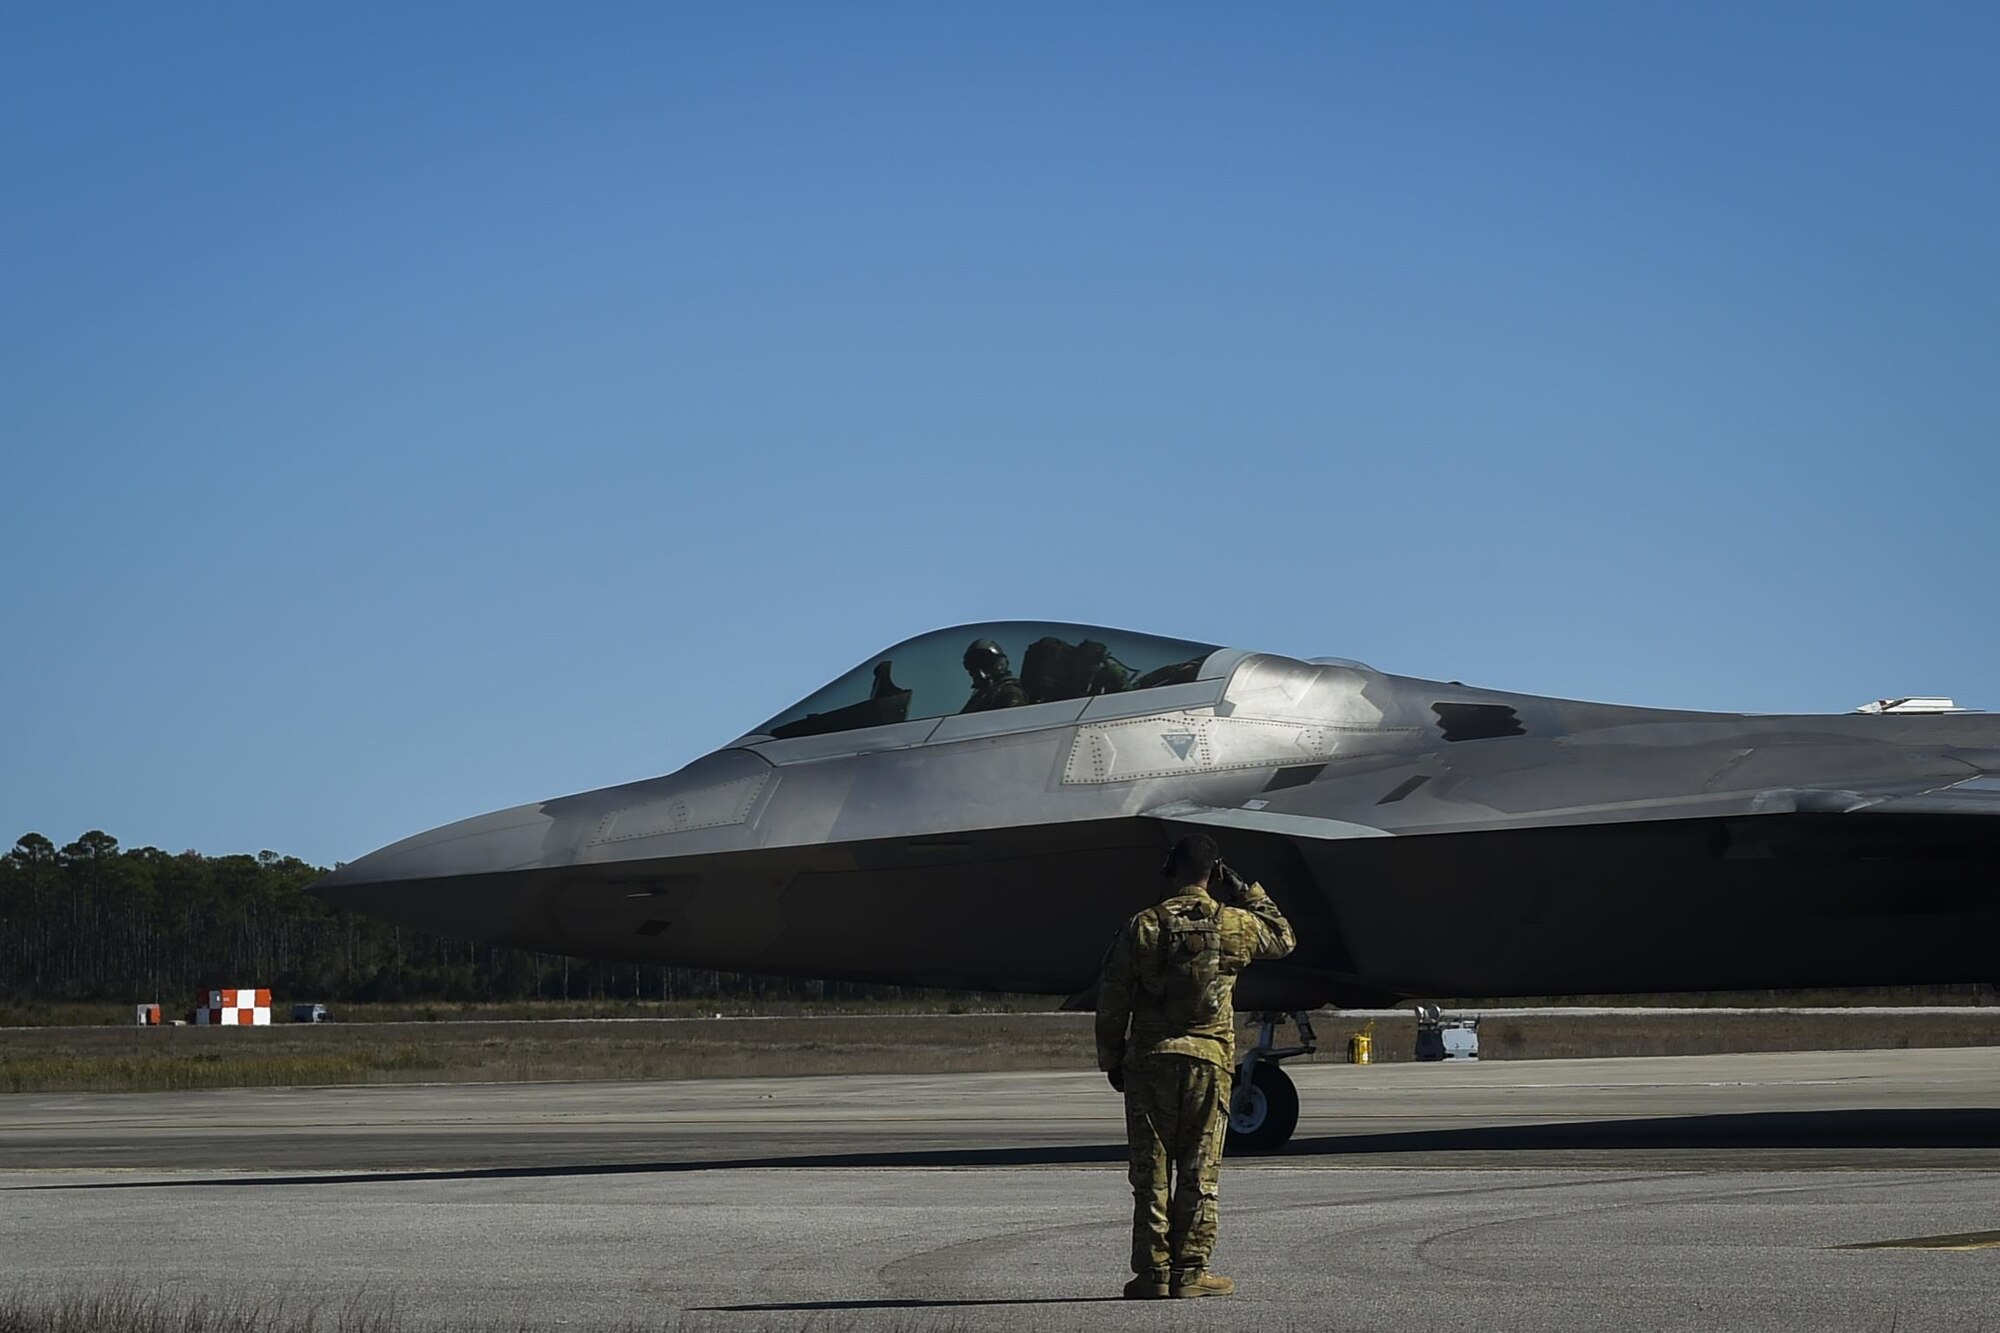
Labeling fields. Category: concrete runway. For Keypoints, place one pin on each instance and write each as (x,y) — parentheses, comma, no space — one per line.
(1698,1192)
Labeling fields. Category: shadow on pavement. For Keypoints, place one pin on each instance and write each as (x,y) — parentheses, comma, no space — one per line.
(938,1157)
(1862,1130)
(1953,1127)
(803,1306)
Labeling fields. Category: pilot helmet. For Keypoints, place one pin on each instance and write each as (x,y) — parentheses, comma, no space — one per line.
(984,660)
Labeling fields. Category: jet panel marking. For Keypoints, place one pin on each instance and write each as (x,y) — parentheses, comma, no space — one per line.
(716,806)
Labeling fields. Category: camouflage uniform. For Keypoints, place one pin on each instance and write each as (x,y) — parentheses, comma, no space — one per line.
(1169,979)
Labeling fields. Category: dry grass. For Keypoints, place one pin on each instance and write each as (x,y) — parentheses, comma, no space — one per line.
(1591,1035)
(97,1014)
(127,1311)
(1636,1032)
(168,1059)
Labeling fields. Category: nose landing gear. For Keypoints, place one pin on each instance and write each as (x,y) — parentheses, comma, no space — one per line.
(1264,1104)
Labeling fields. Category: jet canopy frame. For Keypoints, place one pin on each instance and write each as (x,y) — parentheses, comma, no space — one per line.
(989,666)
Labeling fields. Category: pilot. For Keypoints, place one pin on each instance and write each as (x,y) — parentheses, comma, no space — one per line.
(993,683)
(1166,1038)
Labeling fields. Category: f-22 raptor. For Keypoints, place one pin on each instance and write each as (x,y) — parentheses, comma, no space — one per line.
(983,806)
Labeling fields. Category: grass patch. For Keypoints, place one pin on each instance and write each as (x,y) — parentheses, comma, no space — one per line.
(177,1059)
(92,1014)
(126,1311)
(162,1071)
(132,1312)
(98,1014)
(303,1055)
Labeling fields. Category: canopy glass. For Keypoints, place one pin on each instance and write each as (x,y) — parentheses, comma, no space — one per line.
(977,668)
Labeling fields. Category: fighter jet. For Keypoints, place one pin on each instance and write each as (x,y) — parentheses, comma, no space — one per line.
(983,806)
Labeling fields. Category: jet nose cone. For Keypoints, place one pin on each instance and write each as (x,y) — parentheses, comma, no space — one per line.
(461,879)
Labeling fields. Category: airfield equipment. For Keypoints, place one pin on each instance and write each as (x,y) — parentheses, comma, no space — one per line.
(242,1007)
(1441,1038)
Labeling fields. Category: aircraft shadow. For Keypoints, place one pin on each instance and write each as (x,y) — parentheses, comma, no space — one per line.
(1853,1130)
(1862,1130)
(1961,1127)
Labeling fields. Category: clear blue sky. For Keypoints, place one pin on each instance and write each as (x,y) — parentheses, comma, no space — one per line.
(411,410)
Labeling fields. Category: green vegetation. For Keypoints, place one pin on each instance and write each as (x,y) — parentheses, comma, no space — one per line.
(90,927)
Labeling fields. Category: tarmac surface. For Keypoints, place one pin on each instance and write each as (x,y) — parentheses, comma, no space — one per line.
(1736,1191)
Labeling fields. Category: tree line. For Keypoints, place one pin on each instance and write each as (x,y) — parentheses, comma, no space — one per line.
(92,921)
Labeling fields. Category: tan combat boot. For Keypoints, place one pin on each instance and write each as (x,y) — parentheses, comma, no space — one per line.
(1147,1287)
(1187,1286)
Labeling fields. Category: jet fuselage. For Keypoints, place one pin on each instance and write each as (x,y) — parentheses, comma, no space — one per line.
(1425,838)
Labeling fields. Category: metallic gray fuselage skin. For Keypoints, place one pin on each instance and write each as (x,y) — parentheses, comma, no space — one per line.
(1425,839)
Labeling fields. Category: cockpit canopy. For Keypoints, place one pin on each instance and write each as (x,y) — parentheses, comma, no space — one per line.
(977,668)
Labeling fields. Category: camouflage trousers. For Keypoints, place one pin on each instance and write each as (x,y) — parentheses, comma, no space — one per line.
(1176,1109)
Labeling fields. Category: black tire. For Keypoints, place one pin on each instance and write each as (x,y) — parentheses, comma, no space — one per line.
(1263,1116)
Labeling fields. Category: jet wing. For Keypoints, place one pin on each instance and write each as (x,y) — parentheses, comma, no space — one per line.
(1974,796)
(1419,805)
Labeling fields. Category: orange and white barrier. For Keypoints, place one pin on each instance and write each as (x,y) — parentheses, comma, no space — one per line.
(233,1008)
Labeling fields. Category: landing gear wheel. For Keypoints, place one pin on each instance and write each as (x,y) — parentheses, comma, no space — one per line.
(1263,1114)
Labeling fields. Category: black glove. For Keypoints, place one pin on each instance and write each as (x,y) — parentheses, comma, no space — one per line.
(1230,886)
(1116,1077)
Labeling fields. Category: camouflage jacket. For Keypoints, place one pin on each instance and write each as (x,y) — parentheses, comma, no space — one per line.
(1183,1005)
